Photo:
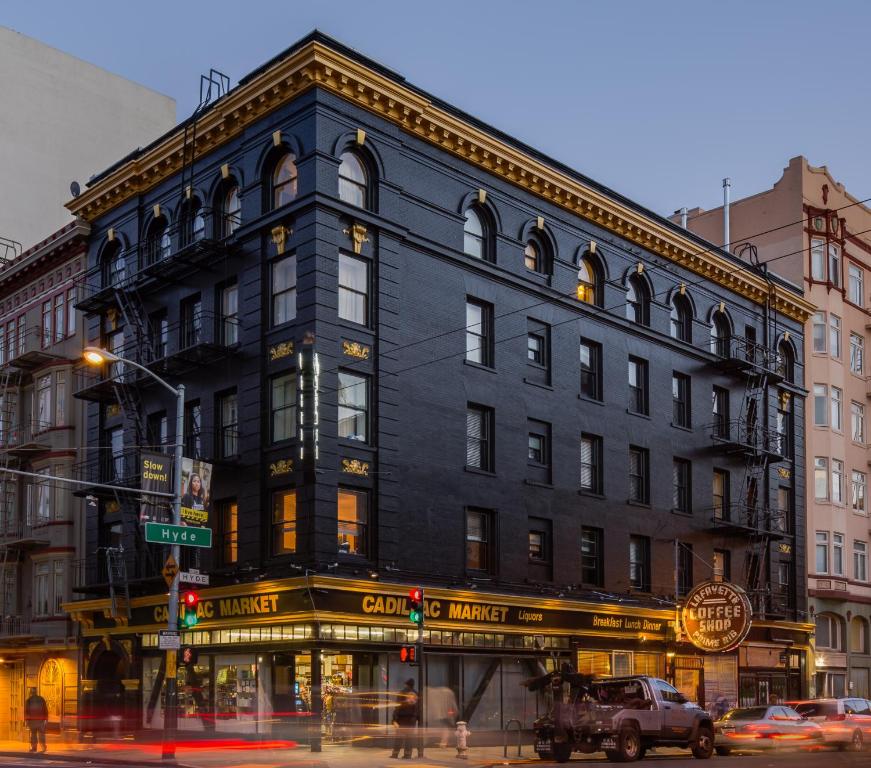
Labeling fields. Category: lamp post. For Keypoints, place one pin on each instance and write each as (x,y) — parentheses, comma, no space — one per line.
(98,356)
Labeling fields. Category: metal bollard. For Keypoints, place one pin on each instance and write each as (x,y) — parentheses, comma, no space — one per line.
(505,737)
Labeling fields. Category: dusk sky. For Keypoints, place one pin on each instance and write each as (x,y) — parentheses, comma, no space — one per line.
(658,100)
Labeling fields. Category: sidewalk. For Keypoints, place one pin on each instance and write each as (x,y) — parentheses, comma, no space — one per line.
(266,754)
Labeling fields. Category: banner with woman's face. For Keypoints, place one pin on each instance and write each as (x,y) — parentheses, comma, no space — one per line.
(196,483)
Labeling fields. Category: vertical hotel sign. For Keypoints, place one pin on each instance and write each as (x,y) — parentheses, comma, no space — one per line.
(155,471)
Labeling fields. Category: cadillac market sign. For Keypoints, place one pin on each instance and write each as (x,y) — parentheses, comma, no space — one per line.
(716,616)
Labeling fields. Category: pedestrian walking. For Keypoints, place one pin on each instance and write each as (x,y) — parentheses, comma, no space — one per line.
(35,718)
(405,720)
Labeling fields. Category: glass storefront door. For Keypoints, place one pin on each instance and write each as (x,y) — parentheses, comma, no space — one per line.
(236,693)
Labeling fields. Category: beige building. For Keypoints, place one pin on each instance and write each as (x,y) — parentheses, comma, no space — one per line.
(809,229)
(62,120)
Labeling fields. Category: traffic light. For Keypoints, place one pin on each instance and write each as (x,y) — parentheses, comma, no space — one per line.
(415,606)
(190,600)
(408,654)
(189,655)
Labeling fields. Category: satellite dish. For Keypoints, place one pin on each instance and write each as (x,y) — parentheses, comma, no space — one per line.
(75,189)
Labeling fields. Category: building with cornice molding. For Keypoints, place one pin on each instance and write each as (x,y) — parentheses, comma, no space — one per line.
(816,234)
(417,352)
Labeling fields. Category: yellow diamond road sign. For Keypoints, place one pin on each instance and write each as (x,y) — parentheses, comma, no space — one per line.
(170,569)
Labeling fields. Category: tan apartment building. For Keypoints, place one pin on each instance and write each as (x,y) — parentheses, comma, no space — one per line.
(810,230)
(41,539)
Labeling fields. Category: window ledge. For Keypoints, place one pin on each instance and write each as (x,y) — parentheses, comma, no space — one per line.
(591,494)
(538,483)
(681,427)
(642,504)
(591,400)
(681,512)
(537,384)
(640,415)
(349,442)
(479,366)
(478,471)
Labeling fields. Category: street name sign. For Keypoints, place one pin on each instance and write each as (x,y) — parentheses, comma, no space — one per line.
(194,577)
(168,640)
(185,536)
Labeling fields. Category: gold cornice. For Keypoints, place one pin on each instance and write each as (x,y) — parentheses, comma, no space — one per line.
(318,65)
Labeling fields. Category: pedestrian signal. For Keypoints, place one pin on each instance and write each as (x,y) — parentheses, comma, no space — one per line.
(408,654)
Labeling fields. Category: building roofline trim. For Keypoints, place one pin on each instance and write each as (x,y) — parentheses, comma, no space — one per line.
(317,64)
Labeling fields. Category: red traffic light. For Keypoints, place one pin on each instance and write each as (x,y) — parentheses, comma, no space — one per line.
(407,654)
(191,599)
(415,595)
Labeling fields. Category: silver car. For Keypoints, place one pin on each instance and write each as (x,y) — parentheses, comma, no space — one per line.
(846,722)
(769,727)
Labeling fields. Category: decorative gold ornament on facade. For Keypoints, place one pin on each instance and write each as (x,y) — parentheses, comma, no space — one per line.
(113,410)
(592,247)
(361,137)
(482,196)
(279,238)
(784,549)
(281,467)
(280,350)
(276,138)
(355,349)
(225,171)
(683,289)
(156,211)
(785,397)
(359,234)
(639,268)
(784,473)
(355,467)
(539,222)
(110,234)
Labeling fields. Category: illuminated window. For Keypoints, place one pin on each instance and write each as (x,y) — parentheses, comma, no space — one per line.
(353,512)
(588,289)
(284,181)
(232,209)
(284,522)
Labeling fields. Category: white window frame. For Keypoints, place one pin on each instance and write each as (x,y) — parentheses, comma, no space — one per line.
(821,547)
(821,478)
(835,336)
(860,560)
(821,405)
(818,260)
(833,253)
(819,326)
(838,554)
(857,354)
(856,289)
(837,481)
(837,414)
(859,492)
(857,422)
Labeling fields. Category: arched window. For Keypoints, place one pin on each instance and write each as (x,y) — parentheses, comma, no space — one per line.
(231,208)
(785,361)
(681,319)
(720,334)
(113,265)
(353,180)
(637,301)
(158,244)
(589,282)
(476,235)
(284,181)
(536,256)
(829,632)
(193,224)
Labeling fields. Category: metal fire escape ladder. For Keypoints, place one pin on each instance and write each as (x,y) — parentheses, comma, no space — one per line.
(212,87)
(119,590)
(8,512)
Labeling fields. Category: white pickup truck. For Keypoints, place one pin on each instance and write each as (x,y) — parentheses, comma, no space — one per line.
(623,717)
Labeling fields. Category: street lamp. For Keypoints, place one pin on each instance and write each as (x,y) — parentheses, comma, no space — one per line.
(98,356)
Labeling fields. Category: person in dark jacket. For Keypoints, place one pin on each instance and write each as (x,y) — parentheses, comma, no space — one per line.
(35,718)
(404,720)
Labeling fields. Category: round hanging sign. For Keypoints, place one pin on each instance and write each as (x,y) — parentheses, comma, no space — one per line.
(716,616)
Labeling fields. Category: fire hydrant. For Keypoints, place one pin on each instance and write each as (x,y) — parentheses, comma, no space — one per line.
(462,740)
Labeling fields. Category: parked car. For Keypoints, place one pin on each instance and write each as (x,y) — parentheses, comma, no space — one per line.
(846,722)
(764,728)
(624,717)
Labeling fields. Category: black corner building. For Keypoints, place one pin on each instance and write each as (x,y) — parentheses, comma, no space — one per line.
(418,352)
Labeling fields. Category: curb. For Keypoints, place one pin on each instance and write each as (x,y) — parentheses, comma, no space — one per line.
(92,758)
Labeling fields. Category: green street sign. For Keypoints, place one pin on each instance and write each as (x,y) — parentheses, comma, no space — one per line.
(185,536)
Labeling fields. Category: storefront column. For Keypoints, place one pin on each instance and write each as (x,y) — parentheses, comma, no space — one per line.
(316,702)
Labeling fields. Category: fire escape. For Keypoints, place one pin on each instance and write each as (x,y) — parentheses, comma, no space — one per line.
(121,289)
(760,438)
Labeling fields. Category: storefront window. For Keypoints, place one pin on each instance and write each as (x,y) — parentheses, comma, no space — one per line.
(235,691)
